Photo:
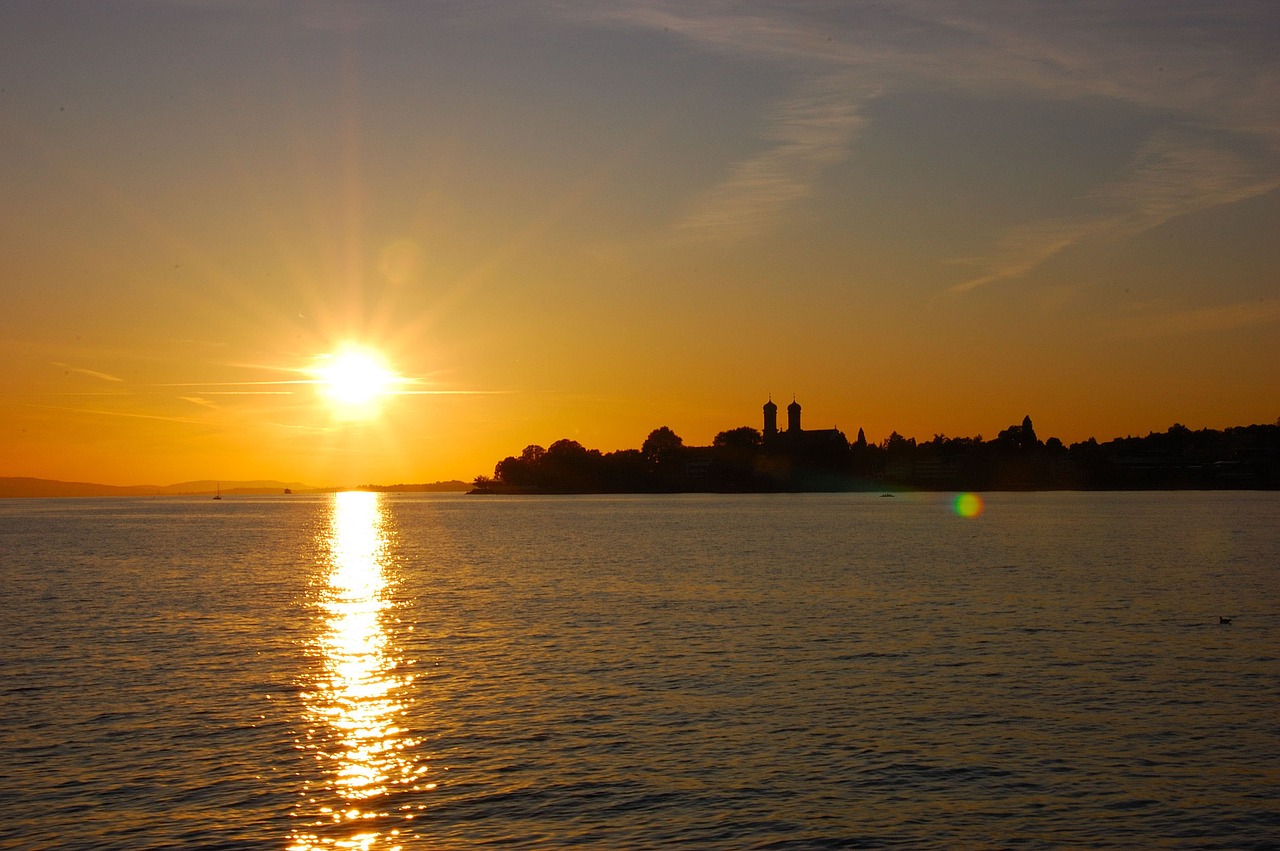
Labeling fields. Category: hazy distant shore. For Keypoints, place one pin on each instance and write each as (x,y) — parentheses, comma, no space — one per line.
(23,487)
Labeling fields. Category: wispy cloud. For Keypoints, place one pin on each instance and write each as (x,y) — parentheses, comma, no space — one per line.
(1177,173)
(124,414)
(196,400)
(245,393)
(808,133)
(1227,317)
(92,373)
(1203,70)
(803,133)
(1174,174)
(1187,64)
(1025,247)
(259,388)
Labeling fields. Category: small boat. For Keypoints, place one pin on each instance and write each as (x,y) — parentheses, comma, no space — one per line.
(218,495)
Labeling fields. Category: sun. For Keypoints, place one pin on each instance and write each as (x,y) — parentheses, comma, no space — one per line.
(355,380)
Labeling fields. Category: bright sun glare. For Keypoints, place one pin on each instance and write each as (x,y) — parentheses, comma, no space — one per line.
(355,379)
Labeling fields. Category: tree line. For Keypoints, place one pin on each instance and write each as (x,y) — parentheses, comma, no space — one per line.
(740,460)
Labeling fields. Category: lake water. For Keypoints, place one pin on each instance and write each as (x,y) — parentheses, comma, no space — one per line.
(775,671)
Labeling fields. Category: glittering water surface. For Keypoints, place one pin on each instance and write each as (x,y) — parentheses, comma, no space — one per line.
(781,671)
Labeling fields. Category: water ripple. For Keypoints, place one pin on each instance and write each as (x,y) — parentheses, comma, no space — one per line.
(640,673)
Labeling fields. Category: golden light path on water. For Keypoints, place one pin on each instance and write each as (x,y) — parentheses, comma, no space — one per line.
(355,699)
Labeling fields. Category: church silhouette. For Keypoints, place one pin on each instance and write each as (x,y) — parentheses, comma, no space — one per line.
(796,441)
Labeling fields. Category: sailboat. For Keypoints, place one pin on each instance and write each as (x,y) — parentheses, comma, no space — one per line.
(218,495)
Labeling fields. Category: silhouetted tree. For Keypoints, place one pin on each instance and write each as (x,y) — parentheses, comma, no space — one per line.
(1028,434)
(513,471)
(1018,437)
(662,447)
(569,466)
(627,471)
(1244,456)
(897,443)
(734,459)
(744,438)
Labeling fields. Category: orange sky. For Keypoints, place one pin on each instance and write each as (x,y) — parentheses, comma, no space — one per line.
(590,220)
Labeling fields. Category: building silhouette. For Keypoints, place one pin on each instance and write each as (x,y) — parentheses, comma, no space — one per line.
(825,449)
(744,460)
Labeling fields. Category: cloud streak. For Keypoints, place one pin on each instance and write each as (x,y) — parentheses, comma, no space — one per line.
(1227,317)
(1204,70)
(1178,173)
(809,132)
(1174,174)
(1189,65)
(92,373)
(122,414)
(1025,247)
(804,133)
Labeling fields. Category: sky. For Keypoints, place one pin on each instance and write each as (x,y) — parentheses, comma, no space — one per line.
(587,220)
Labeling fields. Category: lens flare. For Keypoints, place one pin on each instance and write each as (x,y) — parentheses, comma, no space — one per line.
(968,505)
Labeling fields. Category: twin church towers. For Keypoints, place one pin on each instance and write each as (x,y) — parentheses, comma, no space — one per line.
(795,438)
(771,418)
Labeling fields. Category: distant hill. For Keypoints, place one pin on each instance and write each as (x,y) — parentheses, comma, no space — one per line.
(254,486)
(27,487)
(24,487)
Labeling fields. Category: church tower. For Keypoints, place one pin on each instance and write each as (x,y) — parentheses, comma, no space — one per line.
(793,416)
(770,420)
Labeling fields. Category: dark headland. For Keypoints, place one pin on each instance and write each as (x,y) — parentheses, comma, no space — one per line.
(795,459)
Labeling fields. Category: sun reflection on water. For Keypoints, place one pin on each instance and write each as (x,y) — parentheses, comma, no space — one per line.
(355,699)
